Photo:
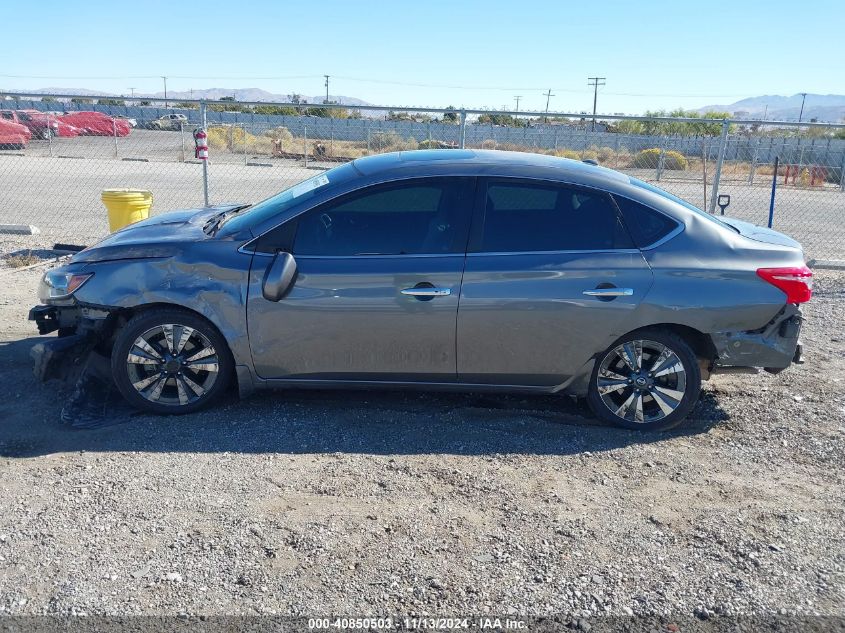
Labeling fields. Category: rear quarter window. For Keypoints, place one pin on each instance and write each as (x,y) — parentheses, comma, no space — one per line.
(645,224)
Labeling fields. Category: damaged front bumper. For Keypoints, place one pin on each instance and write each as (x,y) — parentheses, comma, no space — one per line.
(774,347)
(80,330)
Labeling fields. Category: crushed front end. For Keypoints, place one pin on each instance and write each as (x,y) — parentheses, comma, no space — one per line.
(81,329)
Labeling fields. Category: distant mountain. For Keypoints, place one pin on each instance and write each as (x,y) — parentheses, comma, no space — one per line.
(251,94)
(827,108)
(212,94)
(65,91)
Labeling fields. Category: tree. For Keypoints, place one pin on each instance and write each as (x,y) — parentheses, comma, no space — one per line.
(49,99)
(227,104)
(628,126)
(450,117)
(111,102)
(81,100)
(298,100)
(273,109)
(187,105)
(685,128)
(500,119)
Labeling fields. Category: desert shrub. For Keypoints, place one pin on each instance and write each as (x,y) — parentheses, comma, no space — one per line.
(390,141)
(567,153)
(236,139)
(606,154)
(648,158)
(589,154)
(434,144)
(218,137)
(280,133)
(382,141)
(488,144)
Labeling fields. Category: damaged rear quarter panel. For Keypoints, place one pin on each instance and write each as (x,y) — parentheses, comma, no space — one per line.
(707,280)
(206,278)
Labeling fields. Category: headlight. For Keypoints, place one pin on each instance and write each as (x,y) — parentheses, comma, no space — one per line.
(57,284)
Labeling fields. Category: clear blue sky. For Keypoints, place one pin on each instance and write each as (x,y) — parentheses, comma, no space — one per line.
(437,53)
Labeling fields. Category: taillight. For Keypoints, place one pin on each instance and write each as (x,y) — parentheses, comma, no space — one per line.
(795,281)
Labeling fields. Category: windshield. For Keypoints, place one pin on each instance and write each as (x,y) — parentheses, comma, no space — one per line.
(293,195)
(681,201)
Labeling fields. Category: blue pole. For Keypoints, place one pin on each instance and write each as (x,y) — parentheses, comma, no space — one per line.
(774,189)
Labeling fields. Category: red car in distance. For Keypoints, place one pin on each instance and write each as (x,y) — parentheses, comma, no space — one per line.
(13,135)
(41,124)
(46,120)
(96,124)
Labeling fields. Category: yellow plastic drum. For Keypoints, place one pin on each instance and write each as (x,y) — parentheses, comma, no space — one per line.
(126,206)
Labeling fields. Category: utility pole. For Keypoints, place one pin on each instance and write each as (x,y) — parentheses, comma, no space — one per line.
(595,82)
(327,88)
(803,98)
(165,90)
(132,90)
(517,98)
(548,96)
(766,112)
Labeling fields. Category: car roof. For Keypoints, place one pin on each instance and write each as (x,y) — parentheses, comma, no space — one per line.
(484,162)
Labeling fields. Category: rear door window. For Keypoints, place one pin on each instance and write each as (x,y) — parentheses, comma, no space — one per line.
(645,224)
(521,216)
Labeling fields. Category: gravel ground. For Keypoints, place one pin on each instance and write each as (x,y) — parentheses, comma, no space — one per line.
(391,503)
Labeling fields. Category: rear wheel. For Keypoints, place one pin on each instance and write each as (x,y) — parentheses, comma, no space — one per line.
(647,380)
(170,361)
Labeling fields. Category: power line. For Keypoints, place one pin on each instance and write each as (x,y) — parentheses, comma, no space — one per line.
(375,81)
(595,82)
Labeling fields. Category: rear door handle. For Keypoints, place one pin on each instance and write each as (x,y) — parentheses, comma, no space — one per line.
(426,292)
(609,292)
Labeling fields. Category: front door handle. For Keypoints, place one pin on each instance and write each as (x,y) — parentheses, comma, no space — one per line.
(609,292)
(426,292)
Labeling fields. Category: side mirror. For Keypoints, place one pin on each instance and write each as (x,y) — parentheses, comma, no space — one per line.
(279,277)
(723,201)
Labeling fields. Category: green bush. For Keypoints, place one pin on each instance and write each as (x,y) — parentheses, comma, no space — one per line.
(647,159)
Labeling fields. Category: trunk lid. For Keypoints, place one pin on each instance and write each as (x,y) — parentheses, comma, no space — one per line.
(760,233)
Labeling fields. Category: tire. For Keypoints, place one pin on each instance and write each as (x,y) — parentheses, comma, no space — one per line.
(170,361)
(46,134)
(648,401)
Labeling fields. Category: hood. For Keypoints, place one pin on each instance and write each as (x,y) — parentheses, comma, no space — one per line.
(160,236)
(760,233)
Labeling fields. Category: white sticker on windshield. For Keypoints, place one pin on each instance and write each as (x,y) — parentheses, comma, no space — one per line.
(309,185)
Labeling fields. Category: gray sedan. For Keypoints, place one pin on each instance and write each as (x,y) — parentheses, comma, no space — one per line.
(439,269)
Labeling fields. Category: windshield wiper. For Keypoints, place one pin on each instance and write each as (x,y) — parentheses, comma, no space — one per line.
(213,224)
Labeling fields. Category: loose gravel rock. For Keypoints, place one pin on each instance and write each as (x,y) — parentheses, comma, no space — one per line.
(309,503)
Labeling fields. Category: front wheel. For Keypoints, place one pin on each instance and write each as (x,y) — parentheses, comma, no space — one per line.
(648,380)
(170,361)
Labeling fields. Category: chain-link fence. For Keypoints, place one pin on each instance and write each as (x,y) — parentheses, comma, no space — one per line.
(53,180)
